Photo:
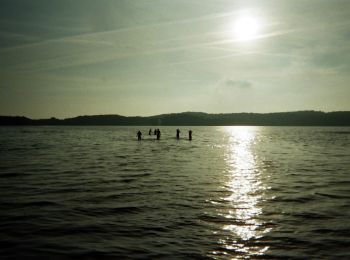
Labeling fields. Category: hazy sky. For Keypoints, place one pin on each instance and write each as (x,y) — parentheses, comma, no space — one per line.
(143,57)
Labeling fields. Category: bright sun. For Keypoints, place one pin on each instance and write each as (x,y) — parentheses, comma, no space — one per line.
(246,28)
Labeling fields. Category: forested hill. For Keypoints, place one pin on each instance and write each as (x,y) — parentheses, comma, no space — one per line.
(300,118)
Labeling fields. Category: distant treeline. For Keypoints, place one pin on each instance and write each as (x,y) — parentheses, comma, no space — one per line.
(300,118)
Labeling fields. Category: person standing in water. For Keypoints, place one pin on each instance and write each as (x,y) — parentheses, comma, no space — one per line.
(158,134)
(177,133)
(139,134)
(190,135)
(155,131)
(150,131)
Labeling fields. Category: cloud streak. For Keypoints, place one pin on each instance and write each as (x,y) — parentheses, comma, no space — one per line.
(243,84)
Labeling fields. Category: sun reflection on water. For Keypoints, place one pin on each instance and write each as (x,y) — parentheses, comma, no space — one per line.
(245,186)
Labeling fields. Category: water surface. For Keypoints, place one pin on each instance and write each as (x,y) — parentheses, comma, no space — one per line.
(231,192)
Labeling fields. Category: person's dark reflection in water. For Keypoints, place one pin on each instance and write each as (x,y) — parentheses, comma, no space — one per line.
(190,135)
(177,133)
(150,131)
(139,134)
(158,134)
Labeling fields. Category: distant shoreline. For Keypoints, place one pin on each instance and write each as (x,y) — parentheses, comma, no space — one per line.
(298,118)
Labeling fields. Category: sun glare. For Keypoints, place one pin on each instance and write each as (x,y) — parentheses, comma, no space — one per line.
(246,28)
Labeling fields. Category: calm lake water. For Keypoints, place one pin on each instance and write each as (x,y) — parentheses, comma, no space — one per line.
(231,192)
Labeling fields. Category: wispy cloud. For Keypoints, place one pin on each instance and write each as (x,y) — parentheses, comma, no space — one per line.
(244,84)
(143,40)
(81,50)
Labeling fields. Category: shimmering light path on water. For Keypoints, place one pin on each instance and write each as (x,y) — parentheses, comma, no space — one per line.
(232,192)
(246,187)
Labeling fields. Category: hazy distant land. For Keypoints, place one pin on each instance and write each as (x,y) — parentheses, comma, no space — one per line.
(300,118)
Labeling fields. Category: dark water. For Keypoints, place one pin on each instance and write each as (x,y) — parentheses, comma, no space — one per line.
(231,193)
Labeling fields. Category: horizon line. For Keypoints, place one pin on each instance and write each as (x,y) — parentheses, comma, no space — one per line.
(171,113)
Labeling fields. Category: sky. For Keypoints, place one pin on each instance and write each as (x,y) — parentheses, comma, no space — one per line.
(67,58)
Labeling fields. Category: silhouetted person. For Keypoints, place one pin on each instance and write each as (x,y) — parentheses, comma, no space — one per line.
(139,134)
(150,131)
(177,133)
(158,134)
(190,135)
(155,131)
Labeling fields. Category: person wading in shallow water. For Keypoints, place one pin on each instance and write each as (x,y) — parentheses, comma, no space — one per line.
(150,131)
(177,133)
(190,135)
(158,134)
(139,134)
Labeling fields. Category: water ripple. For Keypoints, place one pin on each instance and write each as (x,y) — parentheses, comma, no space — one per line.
(230,193)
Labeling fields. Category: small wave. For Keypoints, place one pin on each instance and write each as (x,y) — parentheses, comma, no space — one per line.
(339,182)
(17,149)
(312,215)
(134,170)
(136,175)
(122,164)
(333,231)
(42,203)
(333,196)
(22,204)
(124,210)
(302,199)
(106,210)
(222,220)
(339,132)
(11,174)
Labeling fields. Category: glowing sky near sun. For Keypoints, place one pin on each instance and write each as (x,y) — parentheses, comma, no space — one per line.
(67,58)
(246,28)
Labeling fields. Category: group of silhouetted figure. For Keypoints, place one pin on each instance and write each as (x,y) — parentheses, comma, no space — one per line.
(157,133)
